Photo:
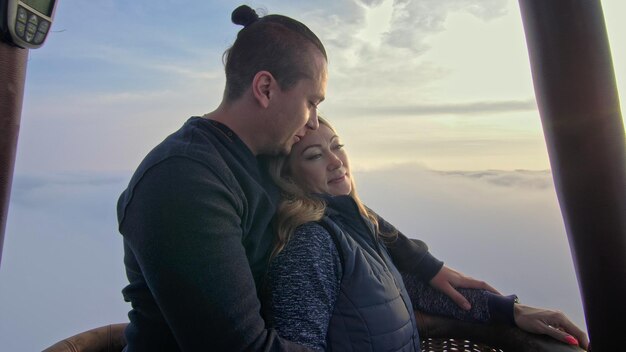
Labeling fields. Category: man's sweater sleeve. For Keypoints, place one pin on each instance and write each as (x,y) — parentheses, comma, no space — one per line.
(183,228)
(303,285)
(486,306)
(409,255)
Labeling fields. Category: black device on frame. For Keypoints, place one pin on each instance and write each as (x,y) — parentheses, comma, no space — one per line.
(26,23)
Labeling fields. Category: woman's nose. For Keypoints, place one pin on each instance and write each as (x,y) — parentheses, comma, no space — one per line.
(335,162)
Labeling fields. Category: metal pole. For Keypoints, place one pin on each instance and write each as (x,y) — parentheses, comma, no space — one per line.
(12,77)
(584,131)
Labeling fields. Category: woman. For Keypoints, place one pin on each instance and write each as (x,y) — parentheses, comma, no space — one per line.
(331,283)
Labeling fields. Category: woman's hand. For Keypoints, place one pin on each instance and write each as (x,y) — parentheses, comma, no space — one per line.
(551,323)
(447,280)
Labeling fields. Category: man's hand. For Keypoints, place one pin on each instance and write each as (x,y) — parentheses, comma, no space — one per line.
(551,323)
(447,280)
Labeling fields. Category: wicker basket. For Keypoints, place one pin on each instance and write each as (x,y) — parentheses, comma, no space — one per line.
(110,338)
(440,345)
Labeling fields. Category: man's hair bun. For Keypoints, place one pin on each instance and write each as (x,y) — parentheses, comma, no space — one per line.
(244,15)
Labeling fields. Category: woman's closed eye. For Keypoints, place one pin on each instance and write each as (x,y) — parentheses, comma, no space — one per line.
(313,156)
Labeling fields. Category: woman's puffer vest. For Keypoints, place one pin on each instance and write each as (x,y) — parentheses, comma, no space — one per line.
(373,311)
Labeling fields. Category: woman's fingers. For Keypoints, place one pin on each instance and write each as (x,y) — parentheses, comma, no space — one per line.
(562,323)
(560,335)
(551,323)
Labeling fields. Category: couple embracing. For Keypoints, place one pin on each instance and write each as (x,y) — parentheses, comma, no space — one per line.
(243,230)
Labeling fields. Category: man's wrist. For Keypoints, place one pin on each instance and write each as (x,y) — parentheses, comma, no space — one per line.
(502,308)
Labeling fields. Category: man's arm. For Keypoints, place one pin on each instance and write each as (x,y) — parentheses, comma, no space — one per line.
(183,227)
(412,256)
(409,255)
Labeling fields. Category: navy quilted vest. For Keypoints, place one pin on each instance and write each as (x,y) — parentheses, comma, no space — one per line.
(373,311)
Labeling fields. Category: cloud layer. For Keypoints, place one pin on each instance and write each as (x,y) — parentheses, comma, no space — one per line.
(62,268)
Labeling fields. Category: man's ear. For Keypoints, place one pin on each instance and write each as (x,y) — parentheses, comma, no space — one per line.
(262,85)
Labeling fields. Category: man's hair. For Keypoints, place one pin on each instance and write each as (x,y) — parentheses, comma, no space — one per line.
(274,43)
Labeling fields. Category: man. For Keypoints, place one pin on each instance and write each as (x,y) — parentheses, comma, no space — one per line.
(196,214)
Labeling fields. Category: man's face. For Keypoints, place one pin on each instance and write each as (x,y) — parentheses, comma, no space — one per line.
(296,108)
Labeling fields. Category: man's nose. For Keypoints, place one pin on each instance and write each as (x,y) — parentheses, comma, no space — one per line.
(313,122)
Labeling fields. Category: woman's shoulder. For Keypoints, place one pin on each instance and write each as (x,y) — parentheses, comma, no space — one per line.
(312,228)
(310,237)
(310,249)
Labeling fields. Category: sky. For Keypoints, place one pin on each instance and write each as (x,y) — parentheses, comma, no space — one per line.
(433,98)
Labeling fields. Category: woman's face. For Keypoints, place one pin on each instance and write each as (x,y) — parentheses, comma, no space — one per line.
(319,164)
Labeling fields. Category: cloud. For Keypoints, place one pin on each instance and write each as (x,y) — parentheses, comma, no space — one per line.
(513,180)
(189,71)
(506,140)
(127,69)
(336,23)
(62,261)
(413,21)
(179,61)
(371,3)
(473,108)
(381,54)
(89,196)
(520,179)
(35,189)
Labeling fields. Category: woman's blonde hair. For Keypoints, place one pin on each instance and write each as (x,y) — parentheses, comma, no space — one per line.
(297,206)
